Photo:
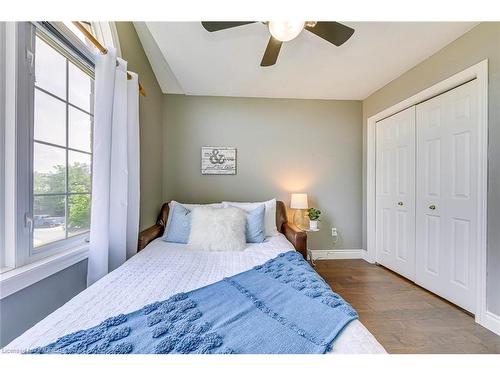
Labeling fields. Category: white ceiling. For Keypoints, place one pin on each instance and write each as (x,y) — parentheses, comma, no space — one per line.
(187,59)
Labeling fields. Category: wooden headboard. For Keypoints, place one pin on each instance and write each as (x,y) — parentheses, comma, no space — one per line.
(297,237)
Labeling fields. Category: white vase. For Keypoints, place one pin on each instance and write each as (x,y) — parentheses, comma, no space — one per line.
(313,224)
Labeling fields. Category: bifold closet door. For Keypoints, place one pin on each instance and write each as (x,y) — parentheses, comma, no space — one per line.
(446,205)
(395,192)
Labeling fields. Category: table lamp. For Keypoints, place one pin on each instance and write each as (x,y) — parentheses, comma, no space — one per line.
(298,202)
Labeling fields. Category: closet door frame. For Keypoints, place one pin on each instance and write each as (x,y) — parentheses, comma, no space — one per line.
(480,73)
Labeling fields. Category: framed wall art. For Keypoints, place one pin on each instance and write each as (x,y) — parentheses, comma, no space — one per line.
(218,160)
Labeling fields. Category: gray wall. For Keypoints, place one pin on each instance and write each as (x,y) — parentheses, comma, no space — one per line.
(23,309)
(481,42)
(150,113)
(284,146)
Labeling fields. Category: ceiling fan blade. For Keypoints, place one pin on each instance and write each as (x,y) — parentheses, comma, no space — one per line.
(271,53)
(333,32)
(216,26)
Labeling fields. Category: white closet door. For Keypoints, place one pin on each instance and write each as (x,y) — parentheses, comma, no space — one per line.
(395,192)
(446,212)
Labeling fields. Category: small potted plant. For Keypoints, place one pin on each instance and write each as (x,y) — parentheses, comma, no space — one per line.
(313,214)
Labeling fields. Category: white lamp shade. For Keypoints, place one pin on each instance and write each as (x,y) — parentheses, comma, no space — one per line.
(299,201)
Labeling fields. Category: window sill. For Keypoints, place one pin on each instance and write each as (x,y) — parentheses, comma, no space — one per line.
(19,278)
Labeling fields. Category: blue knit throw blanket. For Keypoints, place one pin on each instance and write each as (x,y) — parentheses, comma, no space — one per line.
(281,306)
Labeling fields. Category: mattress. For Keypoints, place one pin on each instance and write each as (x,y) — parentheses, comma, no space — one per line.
(157,272)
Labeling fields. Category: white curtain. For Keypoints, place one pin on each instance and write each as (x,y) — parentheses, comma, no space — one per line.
(114,224)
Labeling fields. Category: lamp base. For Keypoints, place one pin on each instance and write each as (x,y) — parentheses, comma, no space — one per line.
(299,219)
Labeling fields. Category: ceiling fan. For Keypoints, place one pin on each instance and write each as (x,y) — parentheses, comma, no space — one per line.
(284,31)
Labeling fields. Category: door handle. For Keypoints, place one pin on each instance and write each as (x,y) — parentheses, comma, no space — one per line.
(28,221)
(400,204)
(432,207)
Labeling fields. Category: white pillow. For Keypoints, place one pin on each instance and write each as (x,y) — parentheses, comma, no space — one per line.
(269,216)
(217,229)
(189,206)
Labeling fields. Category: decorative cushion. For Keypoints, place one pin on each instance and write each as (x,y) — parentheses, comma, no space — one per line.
(255,227)
(270,214)
(217,229)
(178,225)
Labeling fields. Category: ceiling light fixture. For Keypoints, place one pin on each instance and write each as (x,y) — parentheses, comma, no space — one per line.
(285,31)
(333,32)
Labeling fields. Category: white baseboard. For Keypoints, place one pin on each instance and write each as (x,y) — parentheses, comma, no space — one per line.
(337,254)
(491,321)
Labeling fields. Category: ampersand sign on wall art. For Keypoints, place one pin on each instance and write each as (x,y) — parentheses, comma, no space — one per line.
(215,158)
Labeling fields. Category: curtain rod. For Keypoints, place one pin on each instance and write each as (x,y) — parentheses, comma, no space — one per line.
(101,49)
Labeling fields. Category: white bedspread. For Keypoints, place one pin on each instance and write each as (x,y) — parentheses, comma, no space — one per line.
(159,271)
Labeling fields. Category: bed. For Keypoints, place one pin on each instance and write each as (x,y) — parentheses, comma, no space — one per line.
(162,269)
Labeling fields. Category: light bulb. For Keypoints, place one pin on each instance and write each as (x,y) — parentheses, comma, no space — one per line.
(285,31)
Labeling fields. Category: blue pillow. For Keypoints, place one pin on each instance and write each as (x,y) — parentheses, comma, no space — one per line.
(255,228)
(179,225)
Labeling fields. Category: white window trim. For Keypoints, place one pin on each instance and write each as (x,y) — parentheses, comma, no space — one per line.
(17,274)
(19,278)
(2,140)
(25,80)
(10,144)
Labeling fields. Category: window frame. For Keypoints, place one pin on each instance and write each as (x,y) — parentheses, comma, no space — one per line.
(19,270)
(25,79)
(26,253)
(9,214)
(3,88)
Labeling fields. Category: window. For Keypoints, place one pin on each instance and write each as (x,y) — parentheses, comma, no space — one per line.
(62,147)
(47,158)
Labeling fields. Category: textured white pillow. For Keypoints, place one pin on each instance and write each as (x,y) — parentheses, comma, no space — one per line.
(217,229)
(269,216)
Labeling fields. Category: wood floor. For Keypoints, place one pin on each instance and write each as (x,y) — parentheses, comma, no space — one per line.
(403,317)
